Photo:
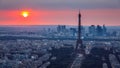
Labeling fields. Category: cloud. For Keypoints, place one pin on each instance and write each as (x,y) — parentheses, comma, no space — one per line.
(59,4)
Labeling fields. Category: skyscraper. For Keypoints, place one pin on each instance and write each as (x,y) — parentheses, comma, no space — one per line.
(92,30)
(99,30)
(104,30)
(61,28)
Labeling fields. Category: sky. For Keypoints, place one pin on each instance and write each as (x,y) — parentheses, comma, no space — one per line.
(60,12)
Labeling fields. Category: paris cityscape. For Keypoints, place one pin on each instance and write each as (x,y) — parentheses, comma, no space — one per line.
(59,33)
(55,46)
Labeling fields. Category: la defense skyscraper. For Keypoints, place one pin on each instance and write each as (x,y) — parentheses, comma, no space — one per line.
(80,48)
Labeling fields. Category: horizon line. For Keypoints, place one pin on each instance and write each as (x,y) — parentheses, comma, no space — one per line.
(56,25)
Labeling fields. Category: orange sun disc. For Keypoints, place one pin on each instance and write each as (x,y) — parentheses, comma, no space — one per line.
(25,13)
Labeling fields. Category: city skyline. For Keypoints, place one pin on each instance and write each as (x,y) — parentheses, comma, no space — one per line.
(60,12)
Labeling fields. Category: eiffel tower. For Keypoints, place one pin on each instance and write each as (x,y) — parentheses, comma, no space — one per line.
(79,43)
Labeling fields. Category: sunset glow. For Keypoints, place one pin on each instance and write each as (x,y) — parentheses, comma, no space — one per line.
(63,12)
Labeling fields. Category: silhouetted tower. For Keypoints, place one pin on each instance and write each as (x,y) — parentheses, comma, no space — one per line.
(79,44)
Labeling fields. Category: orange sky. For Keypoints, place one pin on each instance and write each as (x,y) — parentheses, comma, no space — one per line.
(66,17)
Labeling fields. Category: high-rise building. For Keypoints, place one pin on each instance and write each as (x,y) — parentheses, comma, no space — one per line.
(104,30)
(99,30)
(92,30)
(61,28)
(73,31)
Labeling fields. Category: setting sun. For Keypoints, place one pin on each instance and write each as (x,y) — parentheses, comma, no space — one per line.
(25,13)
